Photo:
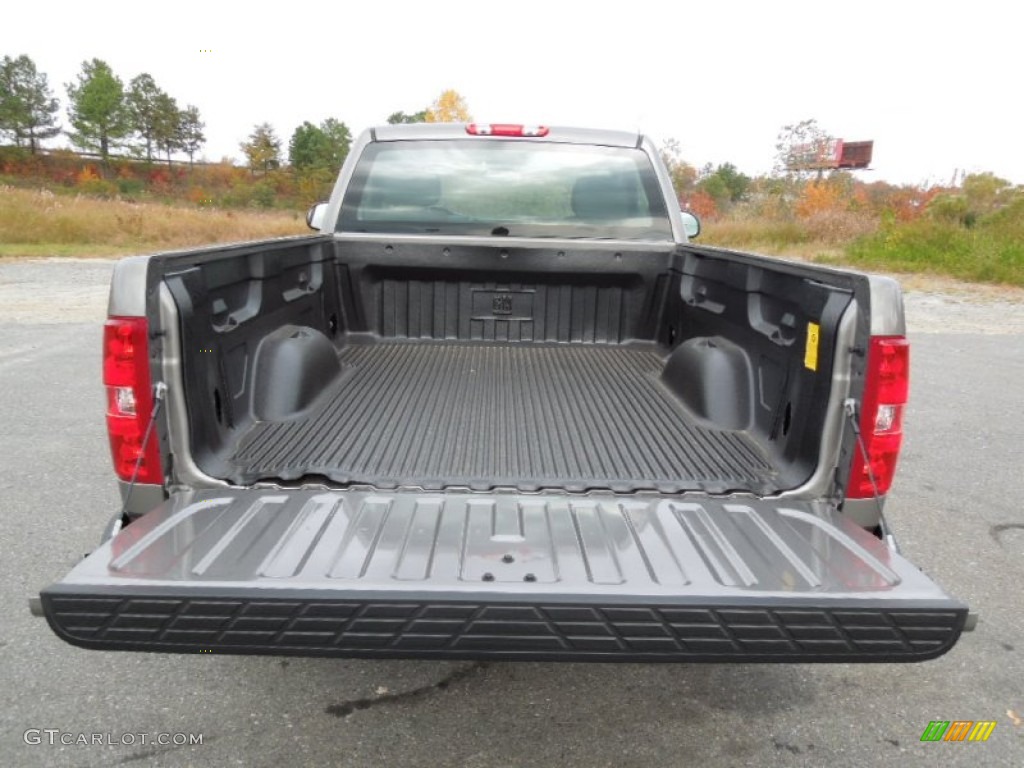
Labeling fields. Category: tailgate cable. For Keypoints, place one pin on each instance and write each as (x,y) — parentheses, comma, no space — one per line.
(159,390)
(35,603)
(850,408)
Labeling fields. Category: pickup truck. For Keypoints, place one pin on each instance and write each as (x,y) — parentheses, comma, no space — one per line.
(501,406)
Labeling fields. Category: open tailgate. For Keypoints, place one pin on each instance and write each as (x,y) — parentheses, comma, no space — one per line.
(442,575)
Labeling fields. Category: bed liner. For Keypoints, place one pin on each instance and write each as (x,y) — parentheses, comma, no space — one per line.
(437,415)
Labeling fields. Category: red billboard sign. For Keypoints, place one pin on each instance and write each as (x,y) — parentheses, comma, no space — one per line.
(830,154)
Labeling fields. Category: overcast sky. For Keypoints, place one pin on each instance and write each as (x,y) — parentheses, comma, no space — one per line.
(936,85)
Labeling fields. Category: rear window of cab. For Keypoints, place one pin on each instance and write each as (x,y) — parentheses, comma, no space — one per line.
(496,187)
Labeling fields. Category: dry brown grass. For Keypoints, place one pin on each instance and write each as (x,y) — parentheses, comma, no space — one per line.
(40,223)
(838,227)
(823,229)
(747,232)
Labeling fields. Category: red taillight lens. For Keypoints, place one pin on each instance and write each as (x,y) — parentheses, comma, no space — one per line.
(886,385)
(129,398)
(505,129)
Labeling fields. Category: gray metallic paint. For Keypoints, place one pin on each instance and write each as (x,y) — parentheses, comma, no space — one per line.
(556,134)
(887,318)
(867,513)
(144,497)
(128,287)
(448,543)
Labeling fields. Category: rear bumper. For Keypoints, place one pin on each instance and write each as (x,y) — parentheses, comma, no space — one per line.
(324,625)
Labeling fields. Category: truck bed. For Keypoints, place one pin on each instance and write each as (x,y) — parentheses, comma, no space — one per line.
(437,414)
(486,368)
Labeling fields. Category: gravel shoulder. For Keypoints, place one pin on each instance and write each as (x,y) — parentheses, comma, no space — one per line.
(58,290)
(942,305)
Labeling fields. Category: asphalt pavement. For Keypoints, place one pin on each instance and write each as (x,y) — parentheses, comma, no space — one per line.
(956,510)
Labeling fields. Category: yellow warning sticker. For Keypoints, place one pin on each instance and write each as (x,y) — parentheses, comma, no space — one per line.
(811,352)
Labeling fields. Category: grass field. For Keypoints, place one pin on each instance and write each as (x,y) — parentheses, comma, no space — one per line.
(40,223)
(991,250)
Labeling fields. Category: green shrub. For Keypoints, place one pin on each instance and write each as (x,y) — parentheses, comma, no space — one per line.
(990,251)
(949,207)
(98,188)
(130,186)
(263,194)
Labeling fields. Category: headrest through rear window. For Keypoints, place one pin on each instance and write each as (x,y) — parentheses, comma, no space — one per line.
(410,191)
(603,197)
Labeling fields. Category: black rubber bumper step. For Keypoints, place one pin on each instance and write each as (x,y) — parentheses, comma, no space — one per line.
(567,632)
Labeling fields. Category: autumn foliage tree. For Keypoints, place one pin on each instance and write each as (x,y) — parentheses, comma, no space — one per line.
(449,107)
(28,110)
(820,198)
(263,149)
(702,204)
(684,175)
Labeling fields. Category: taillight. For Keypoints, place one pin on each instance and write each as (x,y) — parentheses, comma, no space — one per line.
(886,385)
(130,399)
(505,129)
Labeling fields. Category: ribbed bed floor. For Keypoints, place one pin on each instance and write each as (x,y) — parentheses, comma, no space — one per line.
(447,414)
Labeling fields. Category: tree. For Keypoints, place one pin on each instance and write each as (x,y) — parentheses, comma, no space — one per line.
(725,183)
(401,117)
(166,125)
(142,104)
(714,187)
(319,147)
(801,149)
(985,192)
(190,132)
(28,109)
(449,107)
(97,108)
(263,149)
(306,146)
(980,194)
(339,139)
(683,175)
